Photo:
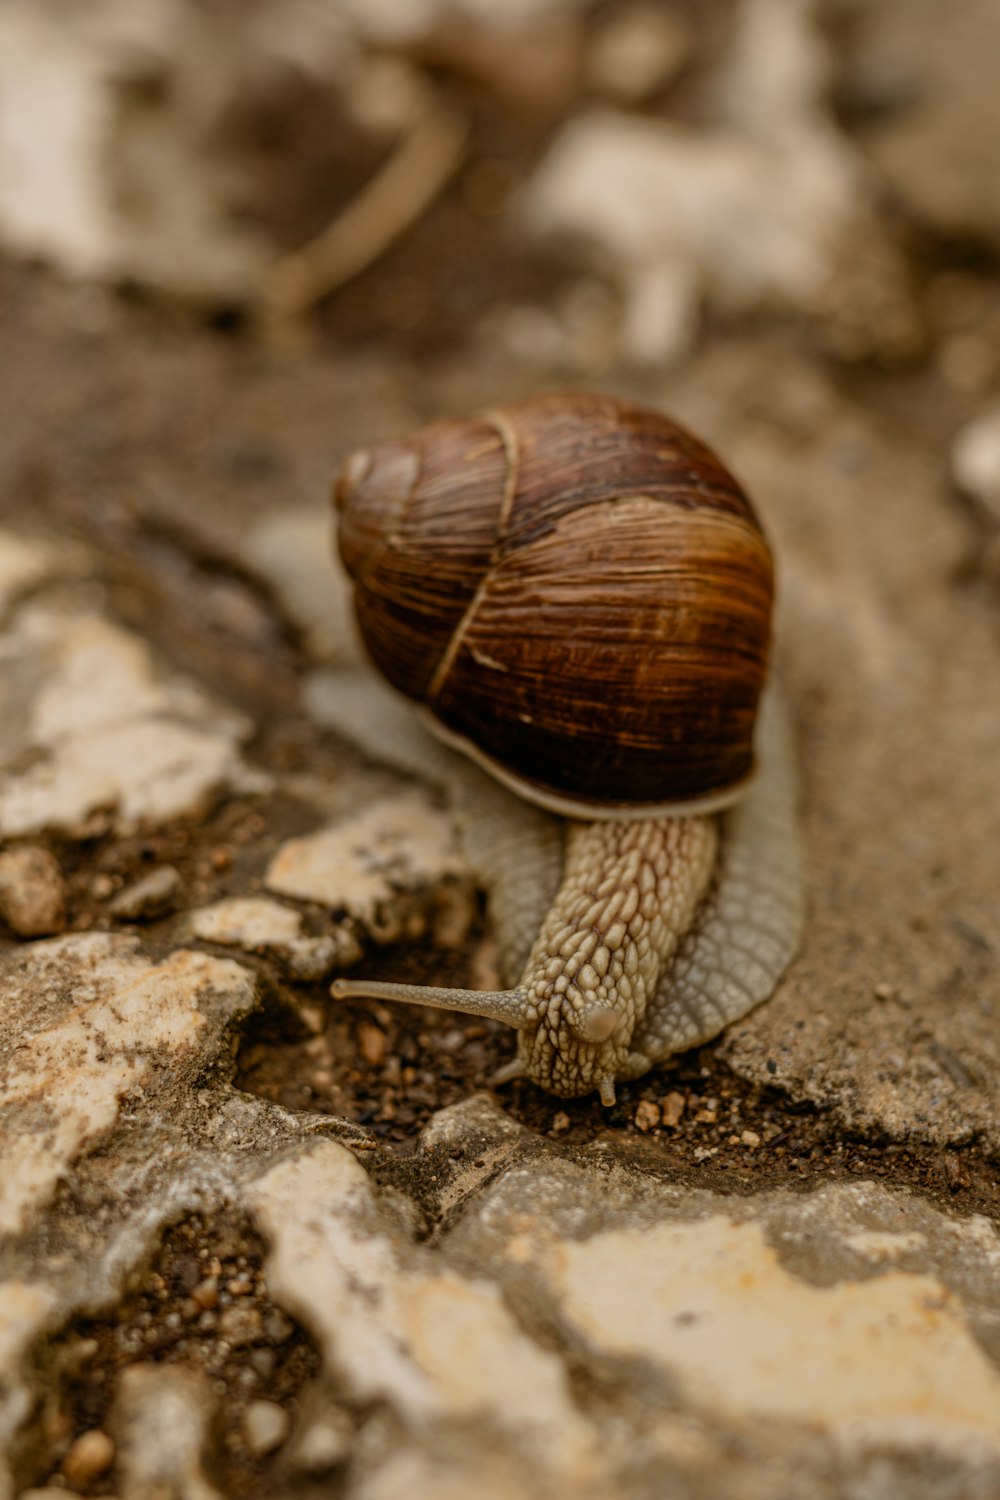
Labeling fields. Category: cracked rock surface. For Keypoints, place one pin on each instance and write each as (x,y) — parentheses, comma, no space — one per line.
(256,1244)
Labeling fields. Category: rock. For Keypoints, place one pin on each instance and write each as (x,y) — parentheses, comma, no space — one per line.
(259,925)
(265,1427)
(23,565)
(153,896)
(887,1295)
(936,142)
(373,1044)
(162,1416)
(673,1295)
(672,1108)
(653,202)
(92,1020)
(400,1327)
(883,644)
(475,1122)
(278,1326)
(975,460)
(26,1309)
(868,1329)
(323,1436)
(88,1457)
(87,188)
(206,1293)
(388,23)
(51,1492)
(293,551)
(454,1475)
(657,200)
(104,732)
(637,51)
(240,1325)
(364,863)
(32,892)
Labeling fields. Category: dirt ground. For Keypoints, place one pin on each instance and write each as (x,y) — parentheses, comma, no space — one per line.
(152,431)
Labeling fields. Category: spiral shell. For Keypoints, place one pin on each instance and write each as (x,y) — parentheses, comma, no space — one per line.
(578,593)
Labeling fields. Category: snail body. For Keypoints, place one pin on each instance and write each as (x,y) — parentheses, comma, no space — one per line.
(578,596)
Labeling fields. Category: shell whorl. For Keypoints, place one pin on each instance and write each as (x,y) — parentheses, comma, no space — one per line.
(576,589)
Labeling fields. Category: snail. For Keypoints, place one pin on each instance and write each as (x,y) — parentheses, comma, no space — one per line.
(578,595)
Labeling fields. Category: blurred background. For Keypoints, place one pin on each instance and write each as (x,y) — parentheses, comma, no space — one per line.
(455,200)
(240,237)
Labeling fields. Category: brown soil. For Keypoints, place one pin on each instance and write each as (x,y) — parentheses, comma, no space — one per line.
(202,1303)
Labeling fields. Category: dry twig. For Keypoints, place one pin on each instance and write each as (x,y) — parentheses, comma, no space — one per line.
(394,199)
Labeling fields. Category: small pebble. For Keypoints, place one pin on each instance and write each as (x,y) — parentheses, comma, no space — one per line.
(90,1456)
(750,1138)
(647,1115)
(263,1361)
(454,914)
(322,1442)
(672,1108)
(975,460)
(206,1293)
(32,892)
(373,1044)
(265,1427)
(240,1325)
(278,1326)
(154,895)
(451,1041)
(560,1122)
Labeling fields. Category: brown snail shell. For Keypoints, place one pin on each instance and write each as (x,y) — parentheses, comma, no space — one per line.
(577,591)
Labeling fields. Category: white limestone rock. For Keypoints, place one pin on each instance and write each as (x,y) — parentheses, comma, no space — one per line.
(657,201)
(638,50)
(975,460)
(32,892)
(368,863)
(886,1361)
(257,924)
(855,1312)
(86,1021)
(100,186)
(162,1418)
(293,551)
(90,727)
(265,1427)
(150,896)
(399,1325)
(766,204)
(24,563)
(399,22)
(114,1085)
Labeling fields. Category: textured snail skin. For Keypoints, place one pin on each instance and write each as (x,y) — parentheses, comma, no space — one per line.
(628,895)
